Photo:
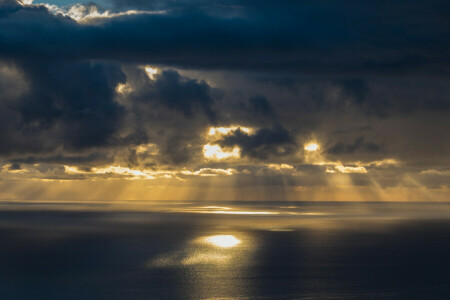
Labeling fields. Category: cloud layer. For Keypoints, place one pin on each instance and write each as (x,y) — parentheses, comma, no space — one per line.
(135,89)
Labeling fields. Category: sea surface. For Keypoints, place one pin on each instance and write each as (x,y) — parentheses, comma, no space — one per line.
(224,250)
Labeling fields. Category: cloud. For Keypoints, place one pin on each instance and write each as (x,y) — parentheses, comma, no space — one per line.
(347,169)
(182,94)
(436,172)
(53,108)
(260,105)
(90,12)
(13,85)
(263,143)
(209,172)
(254,39)
(169,89)
(178,150)
(66,104)
(74,90)
(358,146)
(169,110)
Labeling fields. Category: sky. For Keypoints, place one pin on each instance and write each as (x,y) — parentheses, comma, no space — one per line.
(225,100)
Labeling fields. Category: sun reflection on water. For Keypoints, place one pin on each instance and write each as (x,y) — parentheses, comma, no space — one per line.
(223,241)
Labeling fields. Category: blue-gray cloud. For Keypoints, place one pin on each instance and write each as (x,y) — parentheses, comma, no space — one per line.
(323,37)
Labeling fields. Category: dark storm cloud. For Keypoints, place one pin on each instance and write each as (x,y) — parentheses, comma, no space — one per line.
(216,7)
(358,92)
(179,93)
(369,96)
(345,64)
(265,142)
(260,105)
(94,157)
(177,150)
(63,104)
(387,97)
(15,166)
(359,145)
(318,38)
(78,97)
(351,130)
(71,107)
(67,104)
(170,110)
(356,88)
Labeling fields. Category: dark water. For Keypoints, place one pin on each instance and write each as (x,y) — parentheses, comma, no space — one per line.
(188,251)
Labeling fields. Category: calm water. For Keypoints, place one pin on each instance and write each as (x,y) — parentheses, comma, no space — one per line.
(231,250)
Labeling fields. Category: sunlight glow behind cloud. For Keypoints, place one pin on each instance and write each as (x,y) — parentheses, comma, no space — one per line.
(311,147)
(87,13)
(227,130)
(151,72)
(216,152)
(123,88)
(347,169)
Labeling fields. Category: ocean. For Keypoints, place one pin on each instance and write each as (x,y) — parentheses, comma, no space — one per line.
(224,250)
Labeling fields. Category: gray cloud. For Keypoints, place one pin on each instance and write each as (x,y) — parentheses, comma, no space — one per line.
(358,145)
(265,142)
(178,93)
(67,105)
(319,71)
(255,39)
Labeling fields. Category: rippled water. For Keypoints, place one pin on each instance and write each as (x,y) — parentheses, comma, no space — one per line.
(227,250)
